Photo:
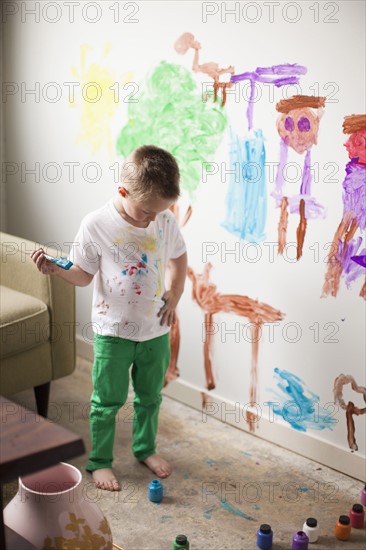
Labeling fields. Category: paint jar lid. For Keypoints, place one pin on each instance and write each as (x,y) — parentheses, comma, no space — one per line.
(265,528)
(181,539)
(311,522)
(358,508)
(344,520)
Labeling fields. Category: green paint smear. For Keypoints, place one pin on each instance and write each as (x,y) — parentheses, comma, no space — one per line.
(170,113)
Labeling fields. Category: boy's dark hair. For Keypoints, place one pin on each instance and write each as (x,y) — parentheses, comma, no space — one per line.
(151,172)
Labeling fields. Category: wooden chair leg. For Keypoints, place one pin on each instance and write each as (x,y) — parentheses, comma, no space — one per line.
(42,394)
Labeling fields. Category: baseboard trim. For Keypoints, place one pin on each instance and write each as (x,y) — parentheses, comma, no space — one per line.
(304,444)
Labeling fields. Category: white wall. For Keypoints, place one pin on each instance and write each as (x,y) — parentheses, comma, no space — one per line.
(330,44)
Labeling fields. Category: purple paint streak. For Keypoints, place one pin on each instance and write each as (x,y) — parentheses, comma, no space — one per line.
(303,124)
(278,191)
(313,209)
(360,260)
(354,194)
(289,70)
(305,188)
(289,124)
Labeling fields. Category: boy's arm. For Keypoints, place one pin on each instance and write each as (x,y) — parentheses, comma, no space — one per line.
(75,275)
(177,272)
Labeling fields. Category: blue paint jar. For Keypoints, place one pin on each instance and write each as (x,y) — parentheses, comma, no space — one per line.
(155,491)
(264,537)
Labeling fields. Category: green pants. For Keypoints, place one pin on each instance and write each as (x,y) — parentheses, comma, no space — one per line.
(113,357)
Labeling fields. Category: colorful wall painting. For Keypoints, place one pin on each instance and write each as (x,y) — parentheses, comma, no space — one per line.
(346,258)
(350,408)
(246,199)
(298,405)
(298,126)
(205,294)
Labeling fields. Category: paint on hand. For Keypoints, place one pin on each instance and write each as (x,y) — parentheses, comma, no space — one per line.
(246,199)
(170,114)
(301,411)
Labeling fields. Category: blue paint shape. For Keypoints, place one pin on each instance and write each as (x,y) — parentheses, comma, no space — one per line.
(246,199)
(208,513)
(296,408)
(230,508)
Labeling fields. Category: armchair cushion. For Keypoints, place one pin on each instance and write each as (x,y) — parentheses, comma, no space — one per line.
(37,334)
(24,322)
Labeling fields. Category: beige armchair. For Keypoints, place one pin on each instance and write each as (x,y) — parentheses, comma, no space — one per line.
(37,323)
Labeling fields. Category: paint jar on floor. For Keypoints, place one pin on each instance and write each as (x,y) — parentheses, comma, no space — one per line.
(357,516)
(343,528)
(300,541)
(311,528)
(264,537)
(155,491)
(181,543)
(363,496)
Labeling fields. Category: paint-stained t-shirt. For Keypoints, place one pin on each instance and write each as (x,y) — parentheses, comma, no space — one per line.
(128,264)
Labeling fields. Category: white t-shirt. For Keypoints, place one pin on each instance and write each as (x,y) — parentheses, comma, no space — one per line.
(128,264)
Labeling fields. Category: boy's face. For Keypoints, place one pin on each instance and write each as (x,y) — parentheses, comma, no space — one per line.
(143,211)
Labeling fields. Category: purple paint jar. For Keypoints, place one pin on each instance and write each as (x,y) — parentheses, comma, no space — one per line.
(300,541)
(363,496)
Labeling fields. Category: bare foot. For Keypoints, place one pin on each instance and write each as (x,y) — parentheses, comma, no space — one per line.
(105,479)
(158,465)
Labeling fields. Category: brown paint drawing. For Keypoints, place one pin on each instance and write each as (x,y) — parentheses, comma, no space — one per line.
(350,407)
(205,294)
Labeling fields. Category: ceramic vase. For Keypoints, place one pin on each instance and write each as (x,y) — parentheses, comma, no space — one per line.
(52,511)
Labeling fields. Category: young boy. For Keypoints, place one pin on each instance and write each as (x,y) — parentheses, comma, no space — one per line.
(125,246)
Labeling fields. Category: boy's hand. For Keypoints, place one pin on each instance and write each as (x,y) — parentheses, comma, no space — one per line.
(43,265)
(167,312)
